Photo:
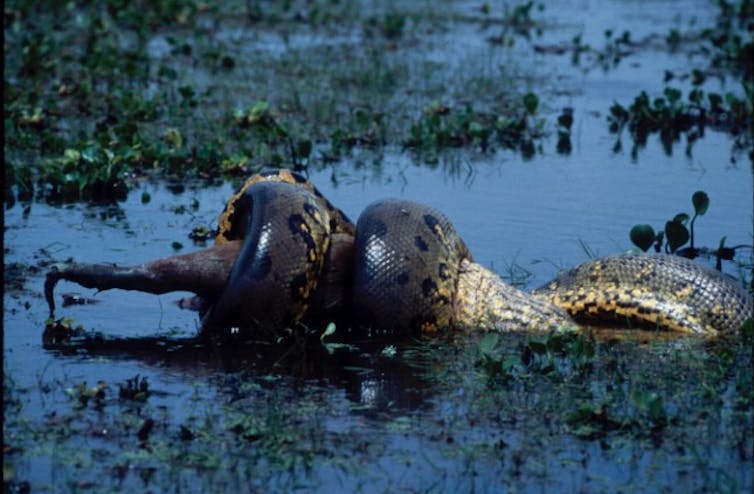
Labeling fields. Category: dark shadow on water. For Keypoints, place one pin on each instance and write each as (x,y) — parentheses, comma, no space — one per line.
(358,367)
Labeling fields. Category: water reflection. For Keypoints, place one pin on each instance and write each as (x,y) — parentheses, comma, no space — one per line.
(401,430)
(372,383)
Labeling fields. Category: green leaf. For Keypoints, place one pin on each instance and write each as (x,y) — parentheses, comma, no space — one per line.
(258,109)
(673,95)
(330,329)
(89,155)
(715,101)
(696,96)
(618,111)
(677,235)
(531,101)
(658,240)
(488,343)
(476,129)
(700,200)
(681,218)
(697,77)
(652,405)
(642,236)
(71,156)
(656,408)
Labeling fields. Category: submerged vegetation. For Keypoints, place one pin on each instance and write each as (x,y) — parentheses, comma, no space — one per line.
(729,49)
(679,231)
(99,94)
(96,94)
(440,127)
(496,400)
(670,118)
(601,391)
(677,234)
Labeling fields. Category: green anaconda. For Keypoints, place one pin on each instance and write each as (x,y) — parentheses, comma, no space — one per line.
(284,255)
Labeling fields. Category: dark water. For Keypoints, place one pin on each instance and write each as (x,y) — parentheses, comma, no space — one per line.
(397,428)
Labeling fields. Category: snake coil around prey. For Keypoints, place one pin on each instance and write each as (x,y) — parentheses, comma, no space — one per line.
(285,255)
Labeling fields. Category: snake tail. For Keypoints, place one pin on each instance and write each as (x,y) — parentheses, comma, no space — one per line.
(649,291)
(284,254)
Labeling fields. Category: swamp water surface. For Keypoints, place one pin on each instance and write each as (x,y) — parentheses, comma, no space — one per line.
(427,419)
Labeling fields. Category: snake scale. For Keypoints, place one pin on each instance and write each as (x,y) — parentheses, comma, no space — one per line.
(285,255)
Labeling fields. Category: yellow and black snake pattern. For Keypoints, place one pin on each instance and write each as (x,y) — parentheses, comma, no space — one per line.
(404,268)
(286,226)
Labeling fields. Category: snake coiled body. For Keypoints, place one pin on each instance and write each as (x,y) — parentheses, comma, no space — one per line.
(407,259)
(286,226)
(404,268)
